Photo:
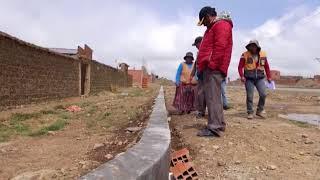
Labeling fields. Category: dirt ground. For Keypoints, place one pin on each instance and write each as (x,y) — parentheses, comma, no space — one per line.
(257,149)
(45,141)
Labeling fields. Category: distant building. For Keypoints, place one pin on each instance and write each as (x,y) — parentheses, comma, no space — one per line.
(141,77)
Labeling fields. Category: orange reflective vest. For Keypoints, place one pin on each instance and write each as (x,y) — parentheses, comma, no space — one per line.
(186,73)
(251,64)
(254,68)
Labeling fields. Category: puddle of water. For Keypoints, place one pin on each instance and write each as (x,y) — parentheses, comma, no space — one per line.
(307,118)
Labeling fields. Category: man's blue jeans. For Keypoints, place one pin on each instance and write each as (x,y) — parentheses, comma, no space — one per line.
(261,87)
(223,93)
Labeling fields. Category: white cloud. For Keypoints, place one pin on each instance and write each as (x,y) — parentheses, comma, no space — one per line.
(122,30)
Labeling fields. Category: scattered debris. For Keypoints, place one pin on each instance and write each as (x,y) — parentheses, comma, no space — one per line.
(51,133)
(271,167)
(221,163)
(109,156)
(216,147)
(237,162)
(98,145)
(308,141)
(74,108)
(304,135)
(124,94)
(262,148)
(133,129)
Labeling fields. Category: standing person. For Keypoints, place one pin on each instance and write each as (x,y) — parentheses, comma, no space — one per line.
(252,68)
(213,63)
(201,101)
(185,91)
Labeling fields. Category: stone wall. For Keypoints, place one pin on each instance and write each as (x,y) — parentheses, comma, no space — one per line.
(104,77)
(29,73)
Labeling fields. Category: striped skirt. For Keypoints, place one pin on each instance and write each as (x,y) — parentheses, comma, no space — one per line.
(184,100)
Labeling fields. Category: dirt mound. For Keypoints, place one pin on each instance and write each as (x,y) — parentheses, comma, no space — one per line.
(308,83)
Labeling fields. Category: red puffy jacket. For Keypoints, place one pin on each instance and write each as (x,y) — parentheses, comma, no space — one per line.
(216,47)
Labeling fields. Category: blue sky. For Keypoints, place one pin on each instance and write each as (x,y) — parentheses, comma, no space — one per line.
(162,31)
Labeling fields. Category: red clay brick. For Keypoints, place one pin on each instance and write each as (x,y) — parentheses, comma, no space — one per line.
(184,171)
(182,156)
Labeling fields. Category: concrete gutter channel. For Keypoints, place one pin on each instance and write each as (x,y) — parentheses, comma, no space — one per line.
(147,160)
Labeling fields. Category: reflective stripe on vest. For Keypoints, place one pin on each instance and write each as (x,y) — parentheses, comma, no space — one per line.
(251,64)
(186,73)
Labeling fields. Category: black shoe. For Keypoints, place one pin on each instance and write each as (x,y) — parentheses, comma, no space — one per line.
(200,115)
(226,107)
(208,133)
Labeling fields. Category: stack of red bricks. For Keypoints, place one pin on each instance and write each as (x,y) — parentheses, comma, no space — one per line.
(144,82)
(181,165)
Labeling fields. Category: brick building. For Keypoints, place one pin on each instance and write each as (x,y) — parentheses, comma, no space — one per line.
(141,76)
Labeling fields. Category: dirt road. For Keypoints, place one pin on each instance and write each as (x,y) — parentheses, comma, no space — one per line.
(34,146)
(259,149)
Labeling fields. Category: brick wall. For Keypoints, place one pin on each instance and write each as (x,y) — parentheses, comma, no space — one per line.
(289,80)
(136,76)
(139,75)
(103,77)
(317,79)
(29,73)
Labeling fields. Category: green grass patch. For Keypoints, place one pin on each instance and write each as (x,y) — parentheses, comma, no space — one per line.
(84,104)
(5,132)
(20,117)
(59,107)
(92,110)
(64,116)
(21,128)
(137,92)
(91,123)
(57,125)
(47,112)
(103,116)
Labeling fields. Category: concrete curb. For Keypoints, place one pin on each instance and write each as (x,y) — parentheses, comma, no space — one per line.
(147,160)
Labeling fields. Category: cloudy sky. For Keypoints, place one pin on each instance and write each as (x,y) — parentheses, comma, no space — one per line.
(162,31)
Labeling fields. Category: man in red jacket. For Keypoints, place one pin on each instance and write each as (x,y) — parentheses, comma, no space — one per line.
(212,65)
(252,68)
